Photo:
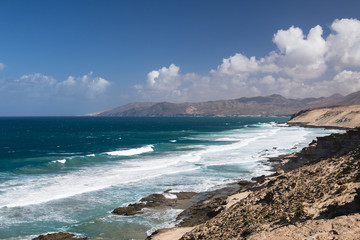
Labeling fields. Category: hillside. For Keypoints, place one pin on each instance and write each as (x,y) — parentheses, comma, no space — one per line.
(341,116)
(313,195)
(273,105)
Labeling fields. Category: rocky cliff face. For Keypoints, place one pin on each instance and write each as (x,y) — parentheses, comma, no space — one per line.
(273,105)
(314,195)
(341,116)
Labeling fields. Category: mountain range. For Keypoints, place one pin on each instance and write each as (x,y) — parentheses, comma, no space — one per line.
(273,105)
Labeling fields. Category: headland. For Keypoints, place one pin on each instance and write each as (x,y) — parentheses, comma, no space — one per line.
(312,194)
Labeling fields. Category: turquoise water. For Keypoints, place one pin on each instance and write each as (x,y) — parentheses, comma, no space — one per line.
(68,174)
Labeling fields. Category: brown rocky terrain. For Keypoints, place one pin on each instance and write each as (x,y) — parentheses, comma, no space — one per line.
(315,198)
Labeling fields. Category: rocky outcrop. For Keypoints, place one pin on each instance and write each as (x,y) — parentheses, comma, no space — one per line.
(324,147)
(59,236)
(212,204)
(166,199)
(202,211)
(318,197)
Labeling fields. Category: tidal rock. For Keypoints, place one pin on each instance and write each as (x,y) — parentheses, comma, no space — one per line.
(165,199)
(59,236)
(130,210)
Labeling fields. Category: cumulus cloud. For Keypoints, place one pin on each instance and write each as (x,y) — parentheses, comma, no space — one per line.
(242,65)
(302,65)
(344,82)
(344,43)
(162,83)
(298,56)
(301,57)
(164,78)
(85,85)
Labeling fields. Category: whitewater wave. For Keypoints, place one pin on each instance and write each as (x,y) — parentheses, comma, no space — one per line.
(132,152)
(246,151)
(59,161)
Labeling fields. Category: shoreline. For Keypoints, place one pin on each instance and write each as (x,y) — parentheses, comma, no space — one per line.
(304,125)
(279,165)
(314,192)
(228,198)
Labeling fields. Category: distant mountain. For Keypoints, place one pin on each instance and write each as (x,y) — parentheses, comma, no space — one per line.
(273,105)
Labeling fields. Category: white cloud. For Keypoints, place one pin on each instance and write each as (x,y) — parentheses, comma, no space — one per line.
(40,86)
(162,83)
(164,78)
(70,81)
(242,66)
(85,85)
(300,57)
(301,66)
(344,43)
(32,85)
(36,79)
(344,82)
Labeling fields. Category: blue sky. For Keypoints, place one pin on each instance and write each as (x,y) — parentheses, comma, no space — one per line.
(75,57)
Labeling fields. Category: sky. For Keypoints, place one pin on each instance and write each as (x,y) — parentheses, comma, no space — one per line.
(71,57)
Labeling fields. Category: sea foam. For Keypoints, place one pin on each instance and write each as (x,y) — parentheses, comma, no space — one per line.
(246,151)
(132,152)
(60,161)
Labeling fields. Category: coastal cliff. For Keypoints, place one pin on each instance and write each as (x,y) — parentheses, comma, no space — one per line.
(339,116)
(314,193)
(316,197)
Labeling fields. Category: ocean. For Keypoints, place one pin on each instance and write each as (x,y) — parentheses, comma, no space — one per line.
(68,173)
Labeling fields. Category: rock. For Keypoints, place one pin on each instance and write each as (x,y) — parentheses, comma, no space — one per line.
(259,179)
(244,183)
(201,212)
(130,210)
(59,236)
(155,200)
(152,201)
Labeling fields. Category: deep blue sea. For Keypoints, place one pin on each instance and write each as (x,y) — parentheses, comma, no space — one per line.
(69,173)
